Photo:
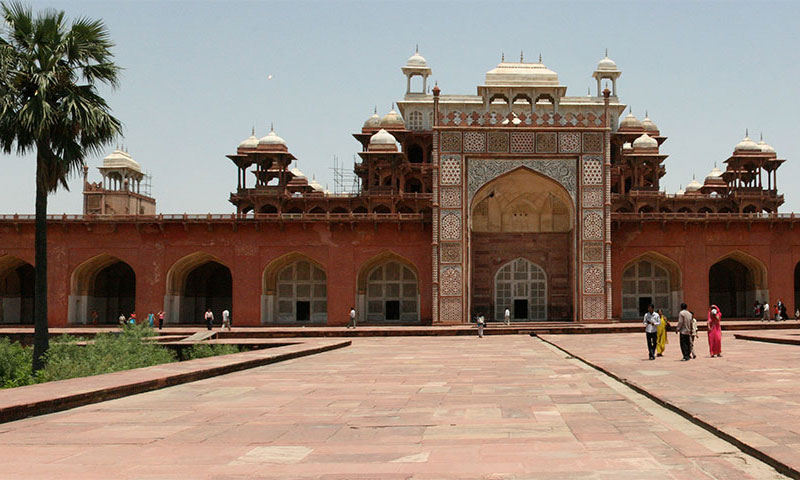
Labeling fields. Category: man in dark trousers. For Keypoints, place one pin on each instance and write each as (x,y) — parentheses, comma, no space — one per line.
(651,322)
(684,329)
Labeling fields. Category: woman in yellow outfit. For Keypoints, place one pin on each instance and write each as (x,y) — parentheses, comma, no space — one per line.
(661,339)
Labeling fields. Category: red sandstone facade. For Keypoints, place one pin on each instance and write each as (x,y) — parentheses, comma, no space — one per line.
(519,197)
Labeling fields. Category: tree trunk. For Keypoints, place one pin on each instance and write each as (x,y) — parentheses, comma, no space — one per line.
(41,340)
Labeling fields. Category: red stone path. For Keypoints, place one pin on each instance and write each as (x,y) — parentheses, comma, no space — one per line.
(503,407)
(752,393)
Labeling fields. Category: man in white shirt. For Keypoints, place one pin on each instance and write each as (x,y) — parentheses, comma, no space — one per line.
(507,316)
(226,319)
(352,318)
(209,316)
(651,322)
(766,312)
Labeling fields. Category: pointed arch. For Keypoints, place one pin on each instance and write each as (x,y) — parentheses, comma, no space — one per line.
(388,289)
(16,290)
(194,283)
(102,288)
(294,289)
(651,277)
(521,286)
(736,281)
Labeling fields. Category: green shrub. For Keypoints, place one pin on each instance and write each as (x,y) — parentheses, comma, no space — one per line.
(15,364)
(108,352)
(203,350)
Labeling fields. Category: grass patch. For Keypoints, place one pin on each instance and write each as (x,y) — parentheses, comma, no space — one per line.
(104,353)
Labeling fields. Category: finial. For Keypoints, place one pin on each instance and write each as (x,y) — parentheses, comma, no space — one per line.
(746,132)
(253,131)
(589,91)
(540,57)
(502,56)
(271,127)
(416,49)
(375,111)
(521,57)
(392,105)
(606,52)
(646,115)
(761,137)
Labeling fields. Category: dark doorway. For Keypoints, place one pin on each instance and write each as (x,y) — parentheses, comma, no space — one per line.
(392,310)
(16,295)
(731,287)
(796,286)
(208,286)
(644,305)
(113,293)
(521,309)
(303,309)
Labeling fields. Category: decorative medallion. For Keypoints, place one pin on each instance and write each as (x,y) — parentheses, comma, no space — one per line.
(450,281)
(450,252)
(451,141)
(451,169)
(546,142)
(450,310)
(450,197)
(592,142)
(592,225)
(450,225)
(592,252)
(593,278)
(592,170)
(474,142)
(594,308)
(569,142)
(592,197)
(497,142)
(521,142)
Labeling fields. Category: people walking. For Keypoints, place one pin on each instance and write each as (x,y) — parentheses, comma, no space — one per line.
(226,319)
(715,331)
(694,334)
(209,317)
(684,328)
(161,319)
(507,316)
(352,318)
(765,311)
(661,337)
(481,323)
(651,322)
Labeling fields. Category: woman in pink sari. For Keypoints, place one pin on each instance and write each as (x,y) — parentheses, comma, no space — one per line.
(715,331)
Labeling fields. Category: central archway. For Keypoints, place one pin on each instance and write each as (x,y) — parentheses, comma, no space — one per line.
(194,283)
(522,225)
(294,290)
(101,289)
(736,282)
(388,290)
(16,290)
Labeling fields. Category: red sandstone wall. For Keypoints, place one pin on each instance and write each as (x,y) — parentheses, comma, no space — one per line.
(341,249)
(696,247)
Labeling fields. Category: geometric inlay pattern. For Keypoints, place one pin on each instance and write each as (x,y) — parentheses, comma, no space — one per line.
(450,281)
(450,310)
(594,308)
(474,142)
(450,197)
(451,252)
(498,142)
(592,142)
(592,252)
(546,142)
(483,171)
(451,141)
(592,225)
(593,278)
(451,169)
(450,225)
(569,142)
(592,170)
(521,142)
(592,197)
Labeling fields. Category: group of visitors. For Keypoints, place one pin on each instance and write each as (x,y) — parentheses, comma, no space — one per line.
(150,321)
(778,311)
(656,327)
(227,320)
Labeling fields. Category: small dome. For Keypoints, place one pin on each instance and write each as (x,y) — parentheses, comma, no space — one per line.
(249,142)
(645,141)
(373,122)
(392,119)
(747,145)
(693,186)
(416,60)
(649,125)
(714,174)
(606,64)
(627,146)
(121,159)
(382,138)
(680,192)
(630,122)
(272,139)
(765,147)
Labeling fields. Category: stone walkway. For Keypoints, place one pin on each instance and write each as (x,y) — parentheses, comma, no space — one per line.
(503,407)
(751,393)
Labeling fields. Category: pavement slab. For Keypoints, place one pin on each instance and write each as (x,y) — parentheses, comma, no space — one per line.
(502,407)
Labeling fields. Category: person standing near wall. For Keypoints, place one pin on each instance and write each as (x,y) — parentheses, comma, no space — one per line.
(507,316)
(161,319)
(663,330)
(481,321)
(715,331)
(651,322)
(352,322)
(226,319)
(209,316)
(684,329)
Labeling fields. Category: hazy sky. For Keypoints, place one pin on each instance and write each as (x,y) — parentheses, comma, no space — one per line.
(196,79)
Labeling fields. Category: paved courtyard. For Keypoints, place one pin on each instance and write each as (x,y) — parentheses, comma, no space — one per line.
(503,407)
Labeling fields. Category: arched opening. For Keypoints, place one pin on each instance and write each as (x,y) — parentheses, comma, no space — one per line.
(521,286)
(268,209)
(498,99)
(706,210)
(338,210)
(535,214)
(651,278)
(415,154)
(102,289)
(360,209)
(684,210)
(645,209)
(294,290)
(388,290)
(522,99)
(725,210)
(195,283)
(413,185)
(748,209)
(381,209)
(317,210)
(293,210)
(665,210)
(405,209)
(735,283)
(16,291)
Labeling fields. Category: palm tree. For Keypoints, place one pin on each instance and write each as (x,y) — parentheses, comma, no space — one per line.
(49,104)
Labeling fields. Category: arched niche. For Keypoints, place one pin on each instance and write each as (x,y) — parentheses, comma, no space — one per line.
(294,290)
(521,286)
(103,285)
(735,282)
(388,290)
(194,283)
(16,290)
(651,278)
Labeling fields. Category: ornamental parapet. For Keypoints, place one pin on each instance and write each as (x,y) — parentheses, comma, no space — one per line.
(220,218)
(620,217)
